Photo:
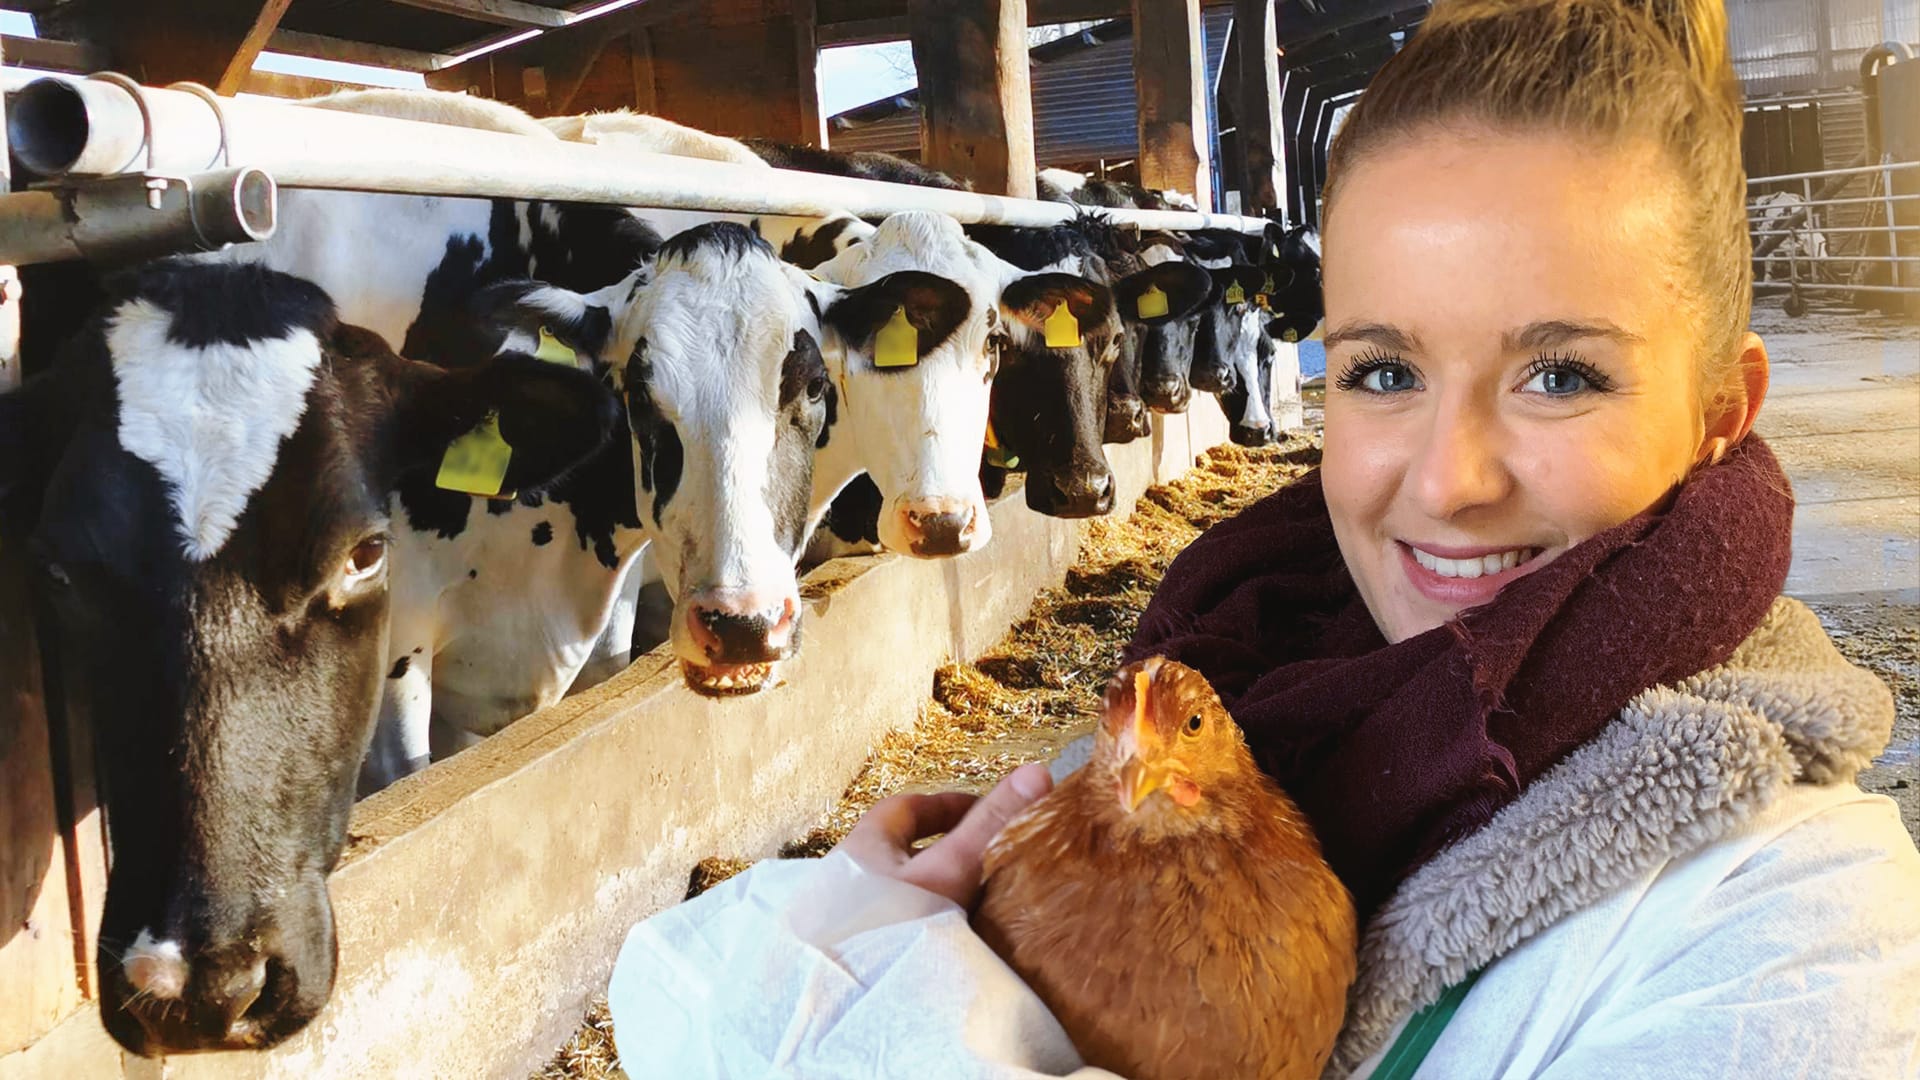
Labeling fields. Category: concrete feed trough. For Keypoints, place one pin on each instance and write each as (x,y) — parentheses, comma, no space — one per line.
(481,902)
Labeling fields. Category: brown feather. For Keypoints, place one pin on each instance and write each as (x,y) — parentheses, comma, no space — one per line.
(1204,940)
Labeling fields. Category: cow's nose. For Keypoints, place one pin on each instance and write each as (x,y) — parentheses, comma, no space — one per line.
(732,626)
(1076,493)
(938,527)
(215,999)
(1166,393)
(1211,378)
(1252,434)
(1126,420)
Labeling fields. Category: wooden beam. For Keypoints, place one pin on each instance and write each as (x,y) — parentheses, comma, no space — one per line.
(1263,163)
(1170,83)
(865,22)
(53,55)
(976,104)
(501,12)
(320,47)
(153,43)
(806,49)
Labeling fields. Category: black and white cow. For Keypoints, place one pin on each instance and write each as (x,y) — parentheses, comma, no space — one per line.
(203,480)
(1050,402)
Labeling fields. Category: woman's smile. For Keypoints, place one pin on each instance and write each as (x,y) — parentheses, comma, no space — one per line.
(1464,577)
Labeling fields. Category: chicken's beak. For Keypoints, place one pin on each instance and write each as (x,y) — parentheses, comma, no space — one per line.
(1137,782)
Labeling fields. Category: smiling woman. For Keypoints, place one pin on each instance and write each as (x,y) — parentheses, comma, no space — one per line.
(1517,650)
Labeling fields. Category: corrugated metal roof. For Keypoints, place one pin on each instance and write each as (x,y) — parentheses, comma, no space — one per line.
(1782,46)
(1083,100)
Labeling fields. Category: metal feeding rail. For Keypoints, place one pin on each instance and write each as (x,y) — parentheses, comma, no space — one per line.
(179,169)
(1791,219)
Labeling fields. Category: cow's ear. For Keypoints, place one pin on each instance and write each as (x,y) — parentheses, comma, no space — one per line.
(1292,326)
(932,305)
(1163,292)
(1238,283)
(550,416)
(546,321)
(1033,298)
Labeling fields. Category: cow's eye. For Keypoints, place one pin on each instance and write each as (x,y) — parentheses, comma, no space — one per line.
(366,559)
(816,387)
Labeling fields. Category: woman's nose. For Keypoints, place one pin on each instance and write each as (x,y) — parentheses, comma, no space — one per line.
(1462,465)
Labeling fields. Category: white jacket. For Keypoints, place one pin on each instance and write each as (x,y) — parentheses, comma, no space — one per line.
(1699,892)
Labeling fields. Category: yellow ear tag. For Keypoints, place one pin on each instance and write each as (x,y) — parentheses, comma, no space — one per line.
(1264,301)
(476,463)
(898,343)
(553,350)
(1236,294)
(1063,330)
(1152,303)
(1266,284)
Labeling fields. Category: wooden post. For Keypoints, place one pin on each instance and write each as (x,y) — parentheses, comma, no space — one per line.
(976,108)
(1255,45)
(806,46)
(216,43)
(1170,82)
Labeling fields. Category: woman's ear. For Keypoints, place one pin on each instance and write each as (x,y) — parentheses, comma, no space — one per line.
(1732,411)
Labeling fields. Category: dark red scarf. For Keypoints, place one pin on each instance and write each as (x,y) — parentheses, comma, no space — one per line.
(1396,751)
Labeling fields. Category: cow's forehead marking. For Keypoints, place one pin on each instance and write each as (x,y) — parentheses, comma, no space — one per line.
(209,418)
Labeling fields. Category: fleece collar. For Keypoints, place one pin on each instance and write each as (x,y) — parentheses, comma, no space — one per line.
(1682,766)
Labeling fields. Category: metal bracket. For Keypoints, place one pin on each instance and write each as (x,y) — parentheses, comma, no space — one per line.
(144,215)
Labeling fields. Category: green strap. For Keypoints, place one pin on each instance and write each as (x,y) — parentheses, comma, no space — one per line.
(1421,1032)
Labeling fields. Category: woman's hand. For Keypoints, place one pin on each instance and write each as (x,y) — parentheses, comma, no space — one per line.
(883,840)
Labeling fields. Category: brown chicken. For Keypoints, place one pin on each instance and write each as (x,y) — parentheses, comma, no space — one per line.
(1169,903)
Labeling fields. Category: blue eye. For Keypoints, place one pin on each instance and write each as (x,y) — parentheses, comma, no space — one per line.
(1559,376)
(1379,375)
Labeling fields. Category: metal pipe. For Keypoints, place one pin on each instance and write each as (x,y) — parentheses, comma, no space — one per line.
(137,216)
(1874,199)
(1808,286)
(1855,171)
(100,128)
(1832,229)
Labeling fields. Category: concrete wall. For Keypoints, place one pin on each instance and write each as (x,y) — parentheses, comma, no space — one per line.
(481,902)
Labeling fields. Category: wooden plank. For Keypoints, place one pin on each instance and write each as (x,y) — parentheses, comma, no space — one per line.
(1263,164)
(976,115)
(37,933)
(154,44)
(1170,83)
(645,97)
(53,55)
(806,49)
(321,47)
(274,84)
(501,12)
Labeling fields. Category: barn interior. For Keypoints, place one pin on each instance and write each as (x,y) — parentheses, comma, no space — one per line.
(1233,102)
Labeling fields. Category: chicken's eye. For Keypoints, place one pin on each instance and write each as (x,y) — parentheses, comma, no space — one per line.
(1193,724)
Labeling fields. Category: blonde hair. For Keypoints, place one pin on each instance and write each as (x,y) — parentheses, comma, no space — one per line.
(1629,70)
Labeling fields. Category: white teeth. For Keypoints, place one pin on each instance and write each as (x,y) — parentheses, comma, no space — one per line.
(1472,568)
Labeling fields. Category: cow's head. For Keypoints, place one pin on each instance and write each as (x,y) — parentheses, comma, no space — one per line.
(1223,342)
(202,481)
(1152,287)
(919,318)
(1165,348)
(1291,261)
(717,351)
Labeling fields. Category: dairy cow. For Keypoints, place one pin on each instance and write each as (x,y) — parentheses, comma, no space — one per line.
(203,481)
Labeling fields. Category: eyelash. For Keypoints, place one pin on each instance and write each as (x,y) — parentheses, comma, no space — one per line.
(1366,364)
(1369,362)
(1597,382)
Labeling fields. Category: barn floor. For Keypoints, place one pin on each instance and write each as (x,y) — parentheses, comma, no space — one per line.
(1843,415)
